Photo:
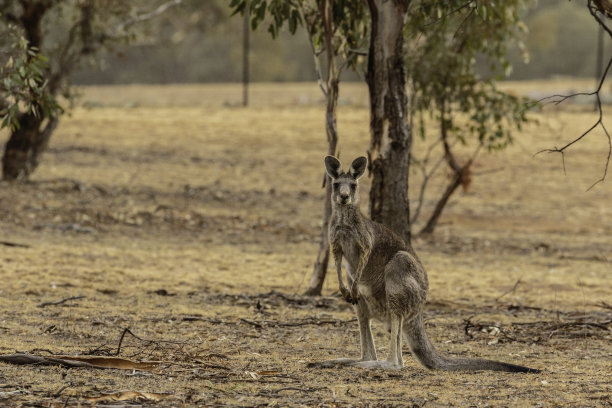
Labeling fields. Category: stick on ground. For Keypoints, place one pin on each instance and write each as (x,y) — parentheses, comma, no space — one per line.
(59,302)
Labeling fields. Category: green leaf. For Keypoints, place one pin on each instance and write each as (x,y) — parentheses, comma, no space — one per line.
(239,6)
(272,30)
(260,13)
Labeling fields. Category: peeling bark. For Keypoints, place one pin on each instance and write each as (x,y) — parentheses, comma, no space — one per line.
(391,135)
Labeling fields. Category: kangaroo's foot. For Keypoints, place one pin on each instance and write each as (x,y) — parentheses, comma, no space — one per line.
(380,364)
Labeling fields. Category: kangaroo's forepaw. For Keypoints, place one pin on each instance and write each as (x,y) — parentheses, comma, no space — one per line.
(346,295)
(352,298)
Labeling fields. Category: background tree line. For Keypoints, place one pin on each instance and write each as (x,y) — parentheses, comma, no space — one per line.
(204,46)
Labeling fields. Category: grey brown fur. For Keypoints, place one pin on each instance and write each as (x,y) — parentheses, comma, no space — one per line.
(386,281)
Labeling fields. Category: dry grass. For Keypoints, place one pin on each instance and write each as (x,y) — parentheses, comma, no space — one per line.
(196,224)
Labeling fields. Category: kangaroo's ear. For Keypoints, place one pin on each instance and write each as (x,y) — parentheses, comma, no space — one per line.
(358,167)
(333,167)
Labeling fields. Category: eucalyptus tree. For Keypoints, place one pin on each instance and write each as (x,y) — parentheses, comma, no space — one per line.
(443,48)
(54,38)
(421,58)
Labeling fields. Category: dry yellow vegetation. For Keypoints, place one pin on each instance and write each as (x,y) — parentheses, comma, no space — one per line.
(194,222)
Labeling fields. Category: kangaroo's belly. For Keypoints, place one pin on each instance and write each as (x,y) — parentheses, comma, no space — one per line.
(375,304)
(351,254)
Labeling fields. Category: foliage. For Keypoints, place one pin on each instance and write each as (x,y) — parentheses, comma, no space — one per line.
(447,41)
(49,40)
(561,40)
(67,33)
(348,24)
(22,83)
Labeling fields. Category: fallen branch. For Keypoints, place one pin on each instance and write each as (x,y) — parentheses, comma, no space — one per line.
(598,325)
(128,396)
(604,305)
(252,323)
(146,341)
(145,349)
(59,302)
(13,244)
(8,394)
(77,361)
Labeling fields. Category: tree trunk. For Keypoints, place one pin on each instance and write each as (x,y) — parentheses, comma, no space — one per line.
(25,146)
(320,268)
(331,92)
(27,143)
(435,216)
(461,174)
(391,136)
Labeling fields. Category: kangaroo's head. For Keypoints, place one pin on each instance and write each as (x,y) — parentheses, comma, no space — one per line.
(344,185)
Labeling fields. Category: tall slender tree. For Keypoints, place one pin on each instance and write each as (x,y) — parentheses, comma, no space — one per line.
(336,31)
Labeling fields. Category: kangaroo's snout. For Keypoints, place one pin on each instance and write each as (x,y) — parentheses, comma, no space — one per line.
(344,196)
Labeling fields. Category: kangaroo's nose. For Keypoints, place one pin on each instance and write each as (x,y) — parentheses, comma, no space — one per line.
(344,196)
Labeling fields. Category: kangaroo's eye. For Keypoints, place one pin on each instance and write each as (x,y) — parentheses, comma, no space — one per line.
(336,186)
(353,187)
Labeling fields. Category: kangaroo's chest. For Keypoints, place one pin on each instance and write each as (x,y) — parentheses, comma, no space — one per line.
(349,242)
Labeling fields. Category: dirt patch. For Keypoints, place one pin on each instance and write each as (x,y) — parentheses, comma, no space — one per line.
(185,235)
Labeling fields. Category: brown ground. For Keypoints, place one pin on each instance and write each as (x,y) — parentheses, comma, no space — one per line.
(195,224)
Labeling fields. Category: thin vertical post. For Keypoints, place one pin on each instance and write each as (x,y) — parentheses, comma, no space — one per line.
(246,32)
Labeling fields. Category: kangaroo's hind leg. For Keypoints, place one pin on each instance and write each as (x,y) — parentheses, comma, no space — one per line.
(394,361)
(368,350)
(395,343)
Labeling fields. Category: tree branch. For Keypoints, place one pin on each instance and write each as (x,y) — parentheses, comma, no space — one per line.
(602,7)
(147,16)
(315,54)
(69,54)
(458,9)
(462,173)
(422,165)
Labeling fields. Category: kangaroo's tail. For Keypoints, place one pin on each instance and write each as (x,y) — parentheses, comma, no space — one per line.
(427,355)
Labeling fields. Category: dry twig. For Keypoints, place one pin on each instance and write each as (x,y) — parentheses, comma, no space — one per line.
(593,9)
(13,244)
(509,291)
(61,301)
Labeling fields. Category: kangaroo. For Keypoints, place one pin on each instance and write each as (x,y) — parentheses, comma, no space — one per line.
(386,282)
